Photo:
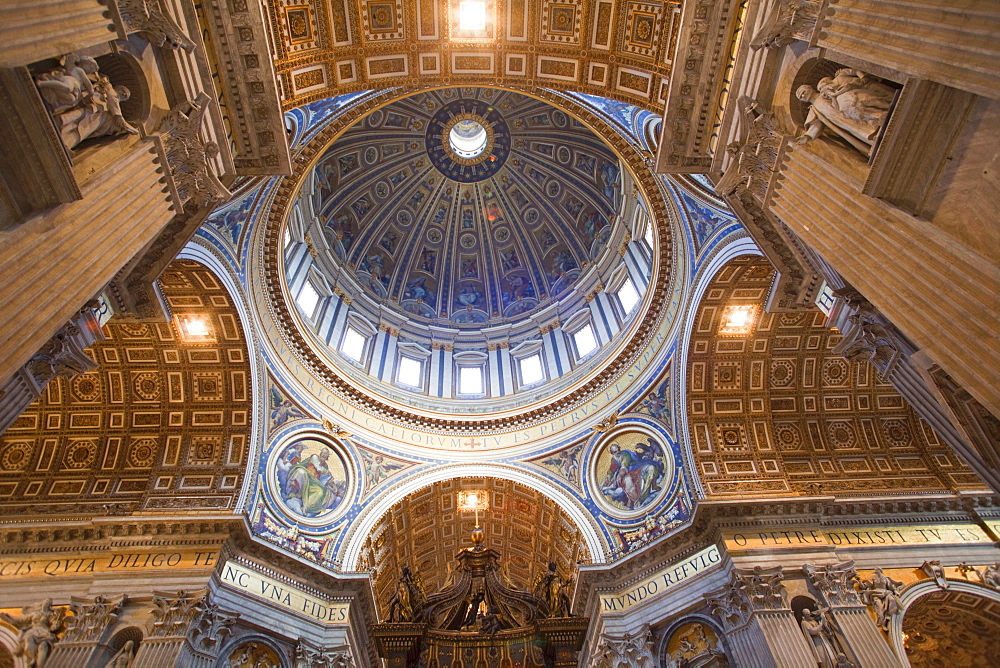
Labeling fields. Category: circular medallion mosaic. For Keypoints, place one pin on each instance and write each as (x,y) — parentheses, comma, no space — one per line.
(468,140)
(309,479)
(631,472)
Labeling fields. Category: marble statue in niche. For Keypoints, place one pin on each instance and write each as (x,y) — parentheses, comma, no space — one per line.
(822,638)
(311,478)
(851,104)
(124,657)
(82,101)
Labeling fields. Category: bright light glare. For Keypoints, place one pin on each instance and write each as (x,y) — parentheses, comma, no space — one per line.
(737,318)
(584,339)
(628,296)
(196,327)
(475,500)
(353,344)
(531,369)
(308,299)
(472,15)
(409,371)
(470,380)
(467,138)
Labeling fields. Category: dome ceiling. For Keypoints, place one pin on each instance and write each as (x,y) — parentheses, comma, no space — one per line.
(467,205)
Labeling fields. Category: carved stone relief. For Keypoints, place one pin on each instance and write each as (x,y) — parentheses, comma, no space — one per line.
(91,617)
(788,20)
(174,612)
(627,650)
(834,582)
(749,590)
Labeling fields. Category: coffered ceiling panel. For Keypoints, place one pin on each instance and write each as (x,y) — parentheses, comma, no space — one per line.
(773,411)
(162,423)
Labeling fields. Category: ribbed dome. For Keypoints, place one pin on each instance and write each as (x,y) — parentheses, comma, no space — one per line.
(468,205)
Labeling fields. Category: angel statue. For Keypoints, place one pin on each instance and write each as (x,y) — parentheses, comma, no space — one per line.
(39,625)
(551,587)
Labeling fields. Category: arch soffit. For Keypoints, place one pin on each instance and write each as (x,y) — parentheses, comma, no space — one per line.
(268,242)
(740,245)
(914,592)
(198,252)
(365,522)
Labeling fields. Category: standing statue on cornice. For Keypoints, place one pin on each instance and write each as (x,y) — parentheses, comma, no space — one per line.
(850,104)
(39,625)
(991,576)
(405,604)
(551,588)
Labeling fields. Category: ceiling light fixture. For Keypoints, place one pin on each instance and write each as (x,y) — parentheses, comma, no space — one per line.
(738,319)
(194,328)
(471,15)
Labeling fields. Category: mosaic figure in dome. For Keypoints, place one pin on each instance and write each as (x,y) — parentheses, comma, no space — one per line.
(388,240)
(325,180)
(633,471)
(566,462)
(311,478)
(470,297)
(609,179)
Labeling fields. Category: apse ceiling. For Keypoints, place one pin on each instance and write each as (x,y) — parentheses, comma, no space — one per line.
(482,231)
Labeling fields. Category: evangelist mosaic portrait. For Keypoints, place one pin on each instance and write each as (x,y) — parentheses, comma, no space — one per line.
(309,478)
(631,471)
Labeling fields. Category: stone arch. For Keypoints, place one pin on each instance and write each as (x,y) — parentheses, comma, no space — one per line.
(742,245)
(231,652)
(425,529)
(370,515)
(666,650)
(912,596)
(8,641)
(258,378)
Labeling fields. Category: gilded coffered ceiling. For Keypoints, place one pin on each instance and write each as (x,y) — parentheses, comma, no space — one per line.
(775,411)
(620,50)
(952,628)
(162,423)
(426,530)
